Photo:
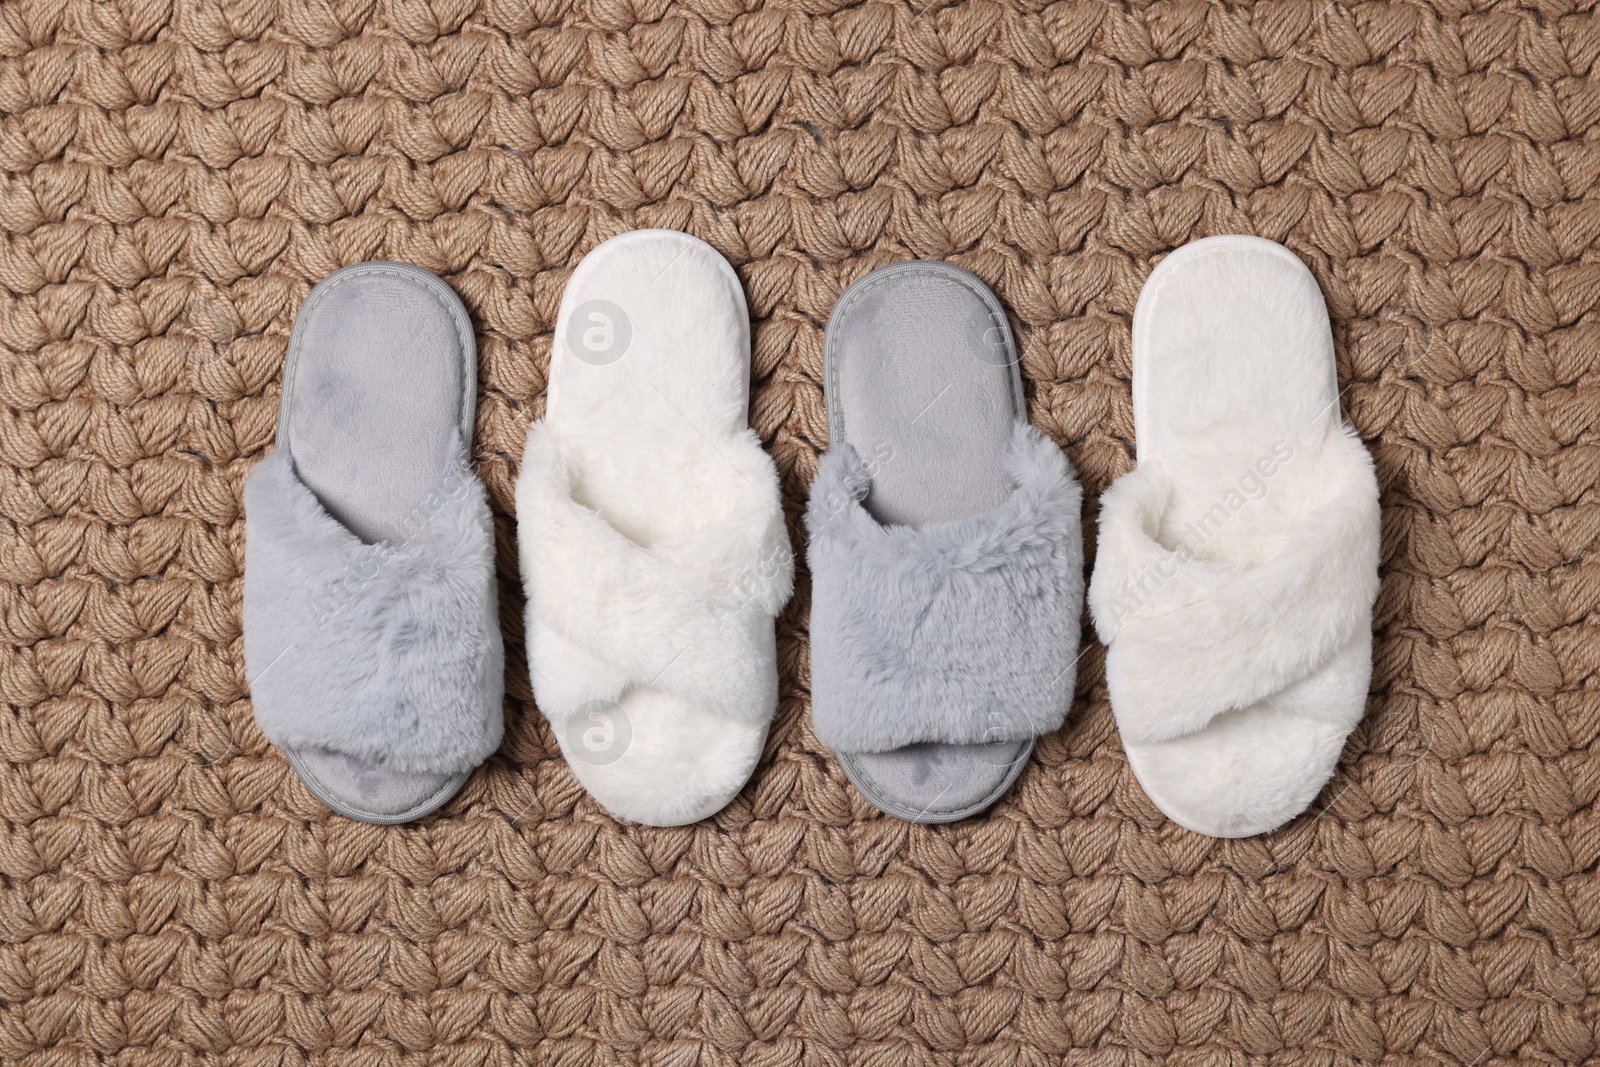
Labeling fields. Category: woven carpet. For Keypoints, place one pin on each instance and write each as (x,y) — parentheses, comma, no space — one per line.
(174,176)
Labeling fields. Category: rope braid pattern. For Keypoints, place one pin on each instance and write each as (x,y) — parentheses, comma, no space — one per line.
(176,174)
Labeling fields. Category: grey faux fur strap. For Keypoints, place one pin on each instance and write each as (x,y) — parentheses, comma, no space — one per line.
(960,632)
(389,652)
(1189,638)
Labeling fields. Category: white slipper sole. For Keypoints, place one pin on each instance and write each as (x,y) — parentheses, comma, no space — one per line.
(652,535)
(1237,564)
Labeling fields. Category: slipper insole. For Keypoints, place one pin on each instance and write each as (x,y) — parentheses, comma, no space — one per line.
(1235,368)
(928,393)
(376,402)
(377,391)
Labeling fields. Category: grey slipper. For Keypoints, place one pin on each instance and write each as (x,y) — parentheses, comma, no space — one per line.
(945,550)
(371,630)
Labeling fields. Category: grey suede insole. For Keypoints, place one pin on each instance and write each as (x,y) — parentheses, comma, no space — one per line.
(377,397)
(380,380)
(923,380)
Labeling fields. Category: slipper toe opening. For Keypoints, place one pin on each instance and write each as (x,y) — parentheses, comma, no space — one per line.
(935,782)
(356,789)
(1249,772)
(655,759)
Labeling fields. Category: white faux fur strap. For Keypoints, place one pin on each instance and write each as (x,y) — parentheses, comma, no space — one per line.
(958,632)
(1189,638)
(389,652)
(690,616)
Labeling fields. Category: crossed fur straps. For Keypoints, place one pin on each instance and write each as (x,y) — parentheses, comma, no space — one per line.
(957,632)
(690,616)
(1188,638)
(388,651)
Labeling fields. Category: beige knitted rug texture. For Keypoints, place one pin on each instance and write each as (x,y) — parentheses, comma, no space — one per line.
(176,174)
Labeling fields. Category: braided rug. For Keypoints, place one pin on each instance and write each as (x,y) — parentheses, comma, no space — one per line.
(176,174)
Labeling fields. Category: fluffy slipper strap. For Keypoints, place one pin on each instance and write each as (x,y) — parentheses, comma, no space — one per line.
(1188,639)
(389,652)
(690,616)
(958,632)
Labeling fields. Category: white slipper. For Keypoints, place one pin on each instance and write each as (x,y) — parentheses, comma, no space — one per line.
(1238,562)
(371,625)
(652,536)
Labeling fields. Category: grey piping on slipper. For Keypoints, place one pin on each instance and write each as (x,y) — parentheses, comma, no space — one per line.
(1020,750)
(427,806)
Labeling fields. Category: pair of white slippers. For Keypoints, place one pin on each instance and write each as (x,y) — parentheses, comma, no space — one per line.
(1234,585)
(652,540)
(1237,563)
